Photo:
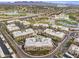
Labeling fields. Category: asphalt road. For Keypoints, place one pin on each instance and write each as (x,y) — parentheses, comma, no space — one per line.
(36,15)
(60,45)
(19,51)
(21,54)
(4,48)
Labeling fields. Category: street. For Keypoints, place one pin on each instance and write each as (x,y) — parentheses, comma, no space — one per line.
(19,51)
(22,54)
(65,40)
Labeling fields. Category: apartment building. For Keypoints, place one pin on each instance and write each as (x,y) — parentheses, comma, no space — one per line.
(12,27)
(23,34)
(35,44)
(40,25)
(61,27)
(74,50)
(50,32)
(76,41)
(61,16)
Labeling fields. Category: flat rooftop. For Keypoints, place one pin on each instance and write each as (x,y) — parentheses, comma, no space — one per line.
(12,27)
(38,42)
(41,24)
(55,33)
(22,33)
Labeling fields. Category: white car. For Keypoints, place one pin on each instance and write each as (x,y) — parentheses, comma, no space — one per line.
(67,55)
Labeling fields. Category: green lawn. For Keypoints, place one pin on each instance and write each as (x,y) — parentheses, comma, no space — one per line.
(56,39)
(67,22)
(43,52)
(19,14)
(39,20)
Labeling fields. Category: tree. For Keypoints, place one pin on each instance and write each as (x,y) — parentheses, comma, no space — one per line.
(72,17)
(71,41)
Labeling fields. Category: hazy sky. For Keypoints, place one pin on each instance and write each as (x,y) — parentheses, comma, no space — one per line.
(34,0)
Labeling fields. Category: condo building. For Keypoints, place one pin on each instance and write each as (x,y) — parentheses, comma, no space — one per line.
(34,44)
(50,32)
(74,50)
(61,16)
(40,25)
(23,34)
(12,27)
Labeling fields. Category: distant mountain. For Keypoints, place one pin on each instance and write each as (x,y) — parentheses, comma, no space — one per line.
(65,2)
(44,3)
(38,3)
